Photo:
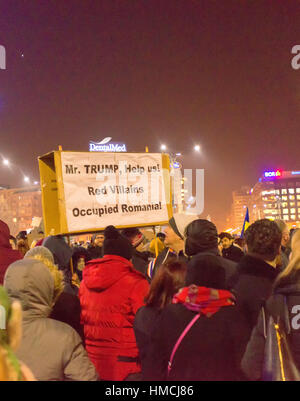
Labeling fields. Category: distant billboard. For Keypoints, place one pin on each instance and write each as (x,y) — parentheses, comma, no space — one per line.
(107,146)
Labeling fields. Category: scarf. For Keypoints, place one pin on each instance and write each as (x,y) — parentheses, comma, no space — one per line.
(206,301)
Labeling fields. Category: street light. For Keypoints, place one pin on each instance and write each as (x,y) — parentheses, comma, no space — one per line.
(26,179)
(197,148)
(163,147)
(6,162)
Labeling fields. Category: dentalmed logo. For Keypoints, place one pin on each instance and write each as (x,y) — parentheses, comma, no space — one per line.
(2,318)
(105,146)
(2,58)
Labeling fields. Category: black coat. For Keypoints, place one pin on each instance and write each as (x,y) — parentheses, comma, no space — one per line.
(233,253)
(144,322)
(286,296)
(209,257)
(252,286)
(211,350)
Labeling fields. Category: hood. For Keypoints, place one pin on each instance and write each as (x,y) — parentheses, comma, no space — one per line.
(30,282)
(4,235)
(102,273)
(60,250)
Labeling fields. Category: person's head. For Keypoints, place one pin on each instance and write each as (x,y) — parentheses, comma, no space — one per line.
(240,242)
(294,264)
(41,235)
(174,232)
(263,239)
(134,235)
(98,239)
(285,232)
(13,242)
(80,257)
(116,244)
(22,235)
(166,283)
(60,250)
(43,255)
(226,240)
(201,235)
(161,236)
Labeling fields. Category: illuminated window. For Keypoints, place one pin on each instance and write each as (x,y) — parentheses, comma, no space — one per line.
(291,191)
(292,197)
(278,192)
(292,204)
(285,217)
(285,211)
(284,191)
(284,197)
(284,204)
(298,197)
(293,211)
(298,190)
(293,217)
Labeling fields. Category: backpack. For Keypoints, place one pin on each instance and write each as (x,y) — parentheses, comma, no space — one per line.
(278,363)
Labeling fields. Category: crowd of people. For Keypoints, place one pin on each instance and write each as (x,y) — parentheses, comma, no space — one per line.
(189,304)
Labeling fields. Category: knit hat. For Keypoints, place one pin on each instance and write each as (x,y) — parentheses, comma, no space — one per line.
(201,236)
(134,235)
(179,221)
(116,244)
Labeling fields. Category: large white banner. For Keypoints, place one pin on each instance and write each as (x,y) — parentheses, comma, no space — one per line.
(120,189)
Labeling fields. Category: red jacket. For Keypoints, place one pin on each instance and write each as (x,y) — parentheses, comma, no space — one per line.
(7,254)
(110,294)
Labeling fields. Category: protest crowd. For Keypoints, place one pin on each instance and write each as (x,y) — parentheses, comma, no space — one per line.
(190,304)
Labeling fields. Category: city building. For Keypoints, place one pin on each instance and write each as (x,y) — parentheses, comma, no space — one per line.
(19,206)
(277,196)
(241,200)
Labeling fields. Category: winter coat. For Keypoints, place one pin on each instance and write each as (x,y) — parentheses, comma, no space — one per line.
(51,349)
(144,323)
(209,257)
(252,286)
(7,254)
(287,295)
(110,294)
(233,253)
(211,351)
(140,261)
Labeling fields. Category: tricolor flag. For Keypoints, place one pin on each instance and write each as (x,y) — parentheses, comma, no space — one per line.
(246,223)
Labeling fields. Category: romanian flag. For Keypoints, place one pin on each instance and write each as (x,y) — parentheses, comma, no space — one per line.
(246,223)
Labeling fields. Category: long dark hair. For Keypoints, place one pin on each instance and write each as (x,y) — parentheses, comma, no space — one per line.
(166,283)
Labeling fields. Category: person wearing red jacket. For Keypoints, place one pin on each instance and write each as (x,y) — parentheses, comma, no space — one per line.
(110,294)
(7,254)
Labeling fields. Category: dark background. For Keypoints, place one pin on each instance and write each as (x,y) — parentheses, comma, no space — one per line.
(146,72)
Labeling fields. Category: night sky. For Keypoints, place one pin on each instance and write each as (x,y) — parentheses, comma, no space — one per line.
(145,72)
